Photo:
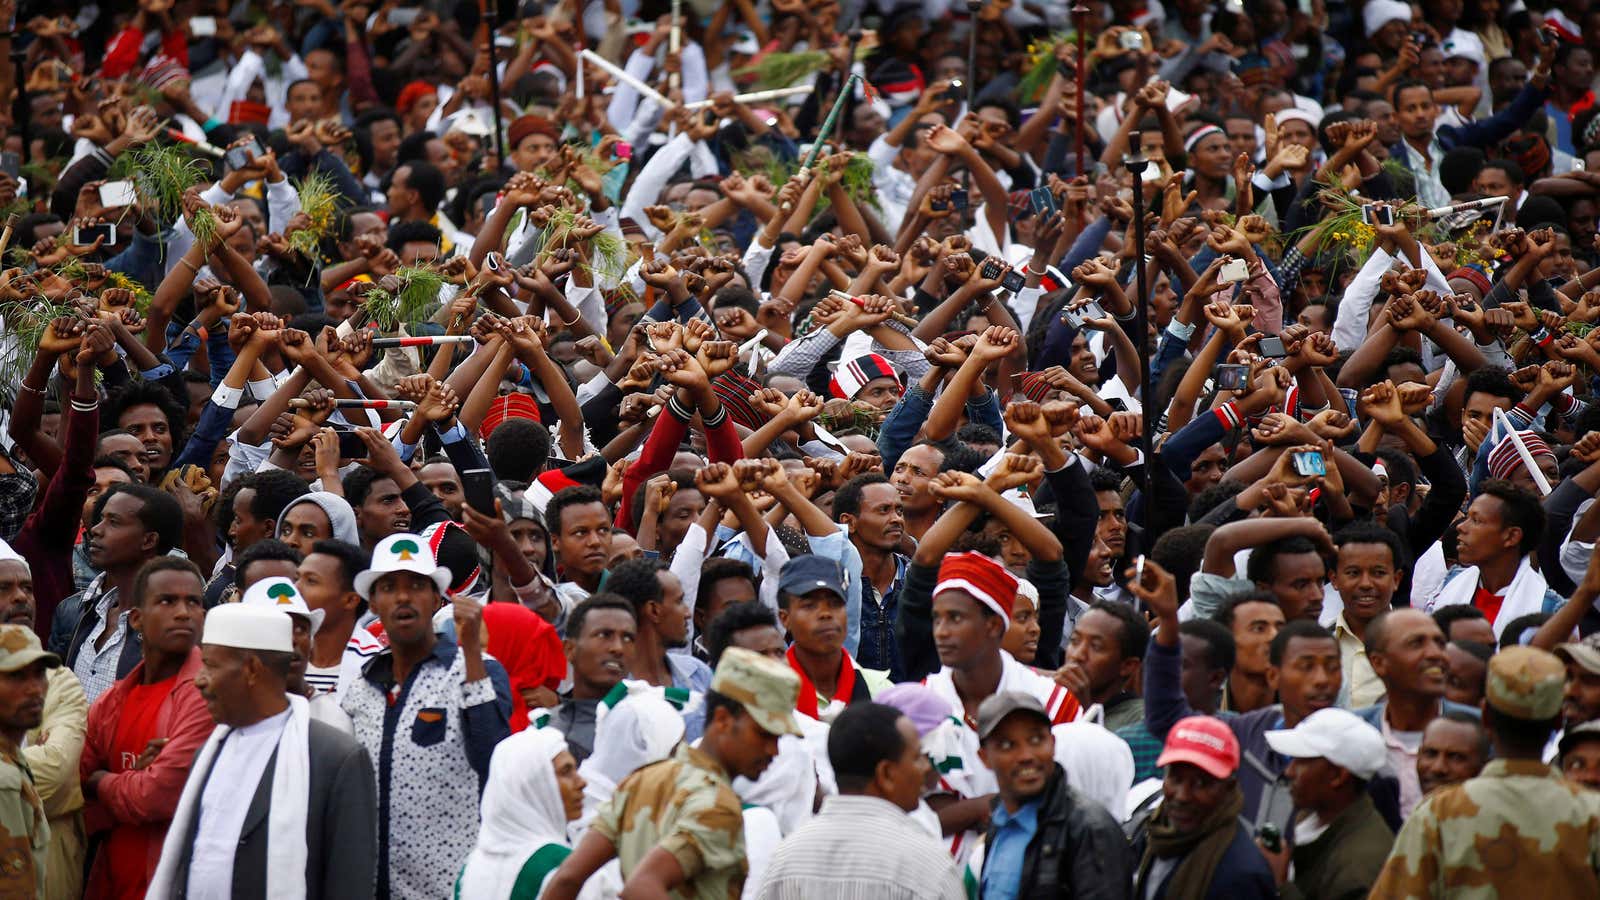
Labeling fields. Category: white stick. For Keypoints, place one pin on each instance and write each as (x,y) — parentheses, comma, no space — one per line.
(616,72)
(758,96)
(1522,451)
(1485,203)
(675,39)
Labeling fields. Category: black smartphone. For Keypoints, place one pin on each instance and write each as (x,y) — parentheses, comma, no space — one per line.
(958,198)
(1232,377)
(955,93)
(990,269)
(11,164)
(84,235)
(1013,281)
(1272,347)
(351,446)
(710,117)
(478,486)
(1117,404)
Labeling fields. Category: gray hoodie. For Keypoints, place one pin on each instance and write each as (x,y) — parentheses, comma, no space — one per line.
(338,511)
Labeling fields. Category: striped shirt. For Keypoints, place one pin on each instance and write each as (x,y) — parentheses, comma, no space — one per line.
(363,645)
(831,856)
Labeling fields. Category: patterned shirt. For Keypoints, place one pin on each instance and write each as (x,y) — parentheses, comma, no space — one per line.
(686,806)
(95,666)
(25,829)
(430,737)
(1517,830)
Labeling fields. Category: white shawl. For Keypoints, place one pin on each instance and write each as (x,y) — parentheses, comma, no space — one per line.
(1523,596)
(522,812)
(286,817)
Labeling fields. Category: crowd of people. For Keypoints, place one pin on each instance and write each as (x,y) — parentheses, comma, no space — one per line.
(799,449)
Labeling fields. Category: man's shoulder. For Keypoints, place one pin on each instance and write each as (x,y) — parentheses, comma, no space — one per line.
(331,745)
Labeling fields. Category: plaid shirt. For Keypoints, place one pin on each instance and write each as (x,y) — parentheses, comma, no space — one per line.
(1146,750)
(17,492)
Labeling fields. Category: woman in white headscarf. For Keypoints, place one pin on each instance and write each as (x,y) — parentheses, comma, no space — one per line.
(533,791)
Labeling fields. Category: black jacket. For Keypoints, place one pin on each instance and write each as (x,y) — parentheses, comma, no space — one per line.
(1077,851)
(341,825)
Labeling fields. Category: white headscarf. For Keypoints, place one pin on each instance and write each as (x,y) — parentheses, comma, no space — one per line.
(638,731)
(522,811)
(1098,764)
(7,553)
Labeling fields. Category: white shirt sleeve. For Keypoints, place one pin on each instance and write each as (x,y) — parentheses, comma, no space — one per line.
(1350,325)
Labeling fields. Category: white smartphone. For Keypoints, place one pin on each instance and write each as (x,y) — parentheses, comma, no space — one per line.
(203,26)
(1235,271)
(114,194)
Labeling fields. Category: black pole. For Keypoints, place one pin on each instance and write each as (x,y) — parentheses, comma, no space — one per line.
(972,85)
(491,16)
(1136,163)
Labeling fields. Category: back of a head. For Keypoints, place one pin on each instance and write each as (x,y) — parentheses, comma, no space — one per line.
(864,735)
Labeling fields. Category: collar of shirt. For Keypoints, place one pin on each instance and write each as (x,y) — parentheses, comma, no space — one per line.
(380,669)
(1026,817)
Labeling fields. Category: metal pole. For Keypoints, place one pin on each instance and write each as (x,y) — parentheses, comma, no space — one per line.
(1136,163)
(491,17)
(21,107)
(1080,15)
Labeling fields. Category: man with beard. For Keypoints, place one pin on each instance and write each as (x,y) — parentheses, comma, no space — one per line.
(1406,649)
(1303,668)
(872,510)
(54,743)
(23,680)
(661,643)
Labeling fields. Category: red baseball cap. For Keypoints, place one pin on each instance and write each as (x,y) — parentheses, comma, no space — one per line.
(1203,741)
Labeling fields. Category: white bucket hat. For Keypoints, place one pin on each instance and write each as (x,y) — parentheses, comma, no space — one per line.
(402,553)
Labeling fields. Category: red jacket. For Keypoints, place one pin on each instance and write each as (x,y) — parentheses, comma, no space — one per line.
(148,796)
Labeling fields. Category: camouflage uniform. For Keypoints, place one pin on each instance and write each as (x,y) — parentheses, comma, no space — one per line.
(24,828)
(1516,830)
(686,804)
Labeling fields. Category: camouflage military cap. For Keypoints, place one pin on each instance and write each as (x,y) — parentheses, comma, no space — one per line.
(1586,653)
(1526,683)
(20,648)
(766,688)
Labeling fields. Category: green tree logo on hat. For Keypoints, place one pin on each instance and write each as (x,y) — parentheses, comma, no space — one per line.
(405,550)
(283,592)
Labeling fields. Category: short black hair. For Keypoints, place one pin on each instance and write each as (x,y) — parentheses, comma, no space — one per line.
(403,233)
(163,564)
(1512,170)
(978,433)
(1103,479)
(1485,748)
(262,551)
(576,495)
(160,513)
(1213,497)
(1135,636)
(1299,628)
(517,450)
(1446,616)
(111,462)
(1264,559)
(594,602)
(1220,647)
(1373,533)
(1398,466)
(352,559)
(847,499)
(358,484)
(718,569)
(1518,509)
(426,179)
(1225,611)
(731,621)
(1512,635)
(1492,381)
(1522,736)
(275,490)
(716,701)
(636,580)
(1180,551)
(736,296)
(864,735)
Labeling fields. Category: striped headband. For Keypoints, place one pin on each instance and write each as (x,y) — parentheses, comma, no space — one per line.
(1199,135)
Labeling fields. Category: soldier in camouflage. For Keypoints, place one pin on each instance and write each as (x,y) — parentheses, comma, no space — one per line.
(676,826)
(24,829)
(1516,830)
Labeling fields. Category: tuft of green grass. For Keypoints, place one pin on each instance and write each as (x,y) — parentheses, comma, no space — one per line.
(411,305)
(26,321)
(161,173)
(319,200)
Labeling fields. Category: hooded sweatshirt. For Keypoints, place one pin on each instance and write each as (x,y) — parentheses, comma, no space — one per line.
(338,511)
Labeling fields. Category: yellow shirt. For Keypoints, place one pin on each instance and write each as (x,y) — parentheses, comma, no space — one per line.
(1362,686)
